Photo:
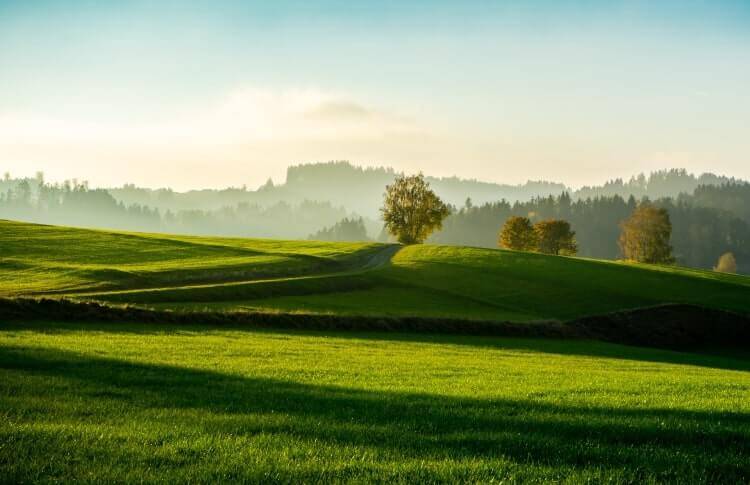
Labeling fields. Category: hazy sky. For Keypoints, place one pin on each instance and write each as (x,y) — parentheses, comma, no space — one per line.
(205,94)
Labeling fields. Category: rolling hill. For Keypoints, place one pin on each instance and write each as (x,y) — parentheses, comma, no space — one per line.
(197,273)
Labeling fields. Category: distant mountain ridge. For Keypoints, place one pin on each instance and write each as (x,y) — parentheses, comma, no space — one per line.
(360,189)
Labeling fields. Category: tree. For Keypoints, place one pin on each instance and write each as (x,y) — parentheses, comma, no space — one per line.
(726,264)
(411,210)
(645,235)
(554,236)
(518,233)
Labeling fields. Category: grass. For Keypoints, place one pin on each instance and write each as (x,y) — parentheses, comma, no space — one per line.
(116,402)
(39,259)
(182,272)
(132,402)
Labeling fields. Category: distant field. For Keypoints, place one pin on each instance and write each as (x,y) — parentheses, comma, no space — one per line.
(114,403)
(180,272)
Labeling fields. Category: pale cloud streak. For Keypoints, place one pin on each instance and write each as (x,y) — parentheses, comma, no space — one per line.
(254,130)
(246,115)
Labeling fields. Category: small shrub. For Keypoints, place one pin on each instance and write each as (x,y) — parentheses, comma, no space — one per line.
(726,264)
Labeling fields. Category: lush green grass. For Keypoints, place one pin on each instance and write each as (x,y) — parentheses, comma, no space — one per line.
(147,402)
(142,402)
(37,259)
(379,299)
(249,274)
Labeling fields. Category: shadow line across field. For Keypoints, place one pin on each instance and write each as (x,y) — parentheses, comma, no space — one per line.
(713,445)
(719,357)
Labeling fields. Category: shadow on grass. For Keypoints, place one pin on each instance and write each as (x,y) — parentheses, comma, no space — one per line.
(669,444)
(717,358)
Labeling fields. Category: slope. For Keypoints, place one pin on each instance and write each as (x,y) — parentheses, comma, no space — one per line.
(180,272)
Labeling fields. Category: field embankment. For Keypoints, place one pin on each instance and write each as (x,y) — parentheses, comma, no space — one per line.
(679,327)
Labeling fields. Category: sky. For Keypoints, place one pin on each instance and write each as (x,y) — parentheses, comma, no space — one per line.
(228,93)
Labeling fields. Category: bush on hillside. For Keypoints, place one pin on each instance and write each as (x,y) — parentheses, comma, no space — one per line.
(726,264)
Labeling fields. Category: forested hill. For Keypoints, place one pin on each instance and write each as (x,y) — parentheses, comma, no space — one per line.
(705,225)
(708,219)
(358,189)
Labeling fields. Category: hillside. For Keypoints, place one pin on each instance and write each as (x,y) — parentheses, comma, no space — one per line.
(340,278)
(119,394)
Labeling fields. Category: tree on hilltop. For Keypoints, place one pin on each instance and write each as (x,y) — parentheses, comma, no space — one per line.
(645,235)
(554,236)
(518,233)
(411,210)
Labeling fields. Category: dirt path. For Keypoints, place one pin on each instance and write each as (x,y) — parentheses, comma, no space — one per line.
(382,258)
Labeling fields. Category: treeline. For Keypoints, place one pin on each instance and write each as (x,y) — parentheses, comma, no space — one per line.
(700,233)
(345,230)
(73,203)
(360,189)
(659,184)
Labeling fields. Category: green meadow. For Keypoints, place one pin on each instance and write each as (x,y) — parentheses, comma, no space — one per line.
(132,403)
(112,401)
(195,273)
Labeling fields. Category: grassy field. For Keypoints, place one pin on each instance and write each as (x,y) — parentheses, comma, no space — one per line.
(139,403)
(39,259)
(179,272)
(133,402)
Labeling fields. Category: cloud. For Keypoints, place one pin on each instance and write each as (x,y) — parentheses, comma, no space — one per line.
(339,110)
(246,136)
(244,116)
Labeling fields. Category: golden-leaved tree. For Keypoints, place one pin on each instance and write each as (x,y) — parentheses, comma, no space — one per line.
(727,264)
(645,235)
(518,233)
(411,210)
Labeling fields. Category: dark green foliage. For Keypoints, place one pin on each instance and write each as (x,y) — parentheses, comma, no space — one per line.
(518,234)
(699,234)
(344,230)
(555,237)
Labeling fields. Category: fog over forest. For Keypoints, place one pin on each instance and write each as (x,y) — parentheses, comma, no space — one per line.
(710,213)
